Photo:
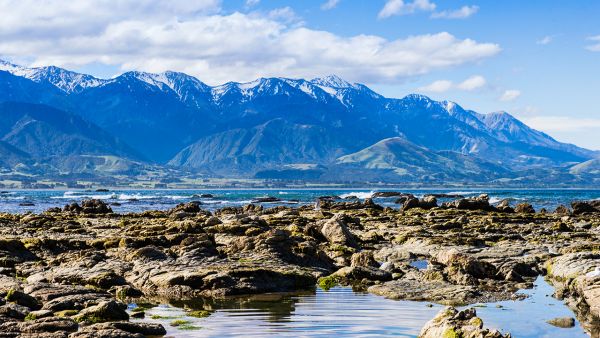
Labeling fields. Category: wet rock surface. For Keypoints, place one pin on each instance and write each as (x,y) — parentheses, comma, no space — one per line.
(71,272)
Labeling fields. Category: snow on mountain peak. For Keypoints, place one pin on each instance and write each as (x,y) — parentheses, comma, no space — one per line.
(332,81)
(63,79)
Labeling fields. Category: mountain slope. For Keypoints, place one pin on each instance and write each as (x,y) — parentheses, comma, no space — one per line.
(399,159)
(245,151)
(11,156)
(45,132)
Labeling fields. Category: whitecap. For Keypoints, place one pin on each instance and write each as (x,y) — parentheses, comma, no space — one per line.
(359,194)
(464,193)
(494,200)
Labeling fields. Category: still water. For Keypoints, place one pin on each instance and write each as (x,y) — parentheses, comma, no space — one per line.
(341,312)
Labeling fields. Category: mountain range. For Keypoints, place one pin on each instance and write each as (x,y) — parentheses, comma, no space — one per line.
(55,121)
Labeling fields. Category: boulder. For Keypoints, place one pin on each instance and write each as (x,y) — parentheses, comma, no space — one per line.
(481,202)
(450,322)
(49,324)
(564,322)
(504,206)
(23,299)
(524,208)
(190,207)
(363,259)
(15,311)
(581,207)
(427,202)
(146,329)
(562,210)
(95,206)
(103,312)
(336,231)
(457,262)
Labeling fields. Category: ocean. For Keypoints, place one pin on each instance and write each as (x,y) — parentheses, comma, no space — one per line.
(125,201)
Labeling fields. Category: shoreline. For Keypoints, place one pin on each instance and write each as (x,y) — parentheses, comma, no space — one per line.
(89,258)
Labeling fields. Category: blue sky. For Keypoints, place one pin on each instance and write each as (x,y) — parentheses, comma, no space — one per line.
(538,60)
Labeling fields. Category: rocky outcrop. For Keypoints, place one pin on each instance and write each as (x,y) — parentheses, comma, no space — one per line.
(83,266)
(92,206)
(450,322)
(481,202)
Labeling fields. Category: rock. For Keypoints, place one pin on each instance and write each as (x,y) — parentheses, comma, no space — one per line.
(581,207)
(190,207)
(451,323)
(504,206)
(40,314)
(363,259)
(524,208)
(359,273)
(95,206)
(146,329)
(562,210)
(267,199)
(14,311)
(427,202)
(481,202)
(50,324)
(457,262)
(563,322)
(212,221)
(103,312)
(23,299)
(89,332)
(336,231)
(124,291)
(410,203)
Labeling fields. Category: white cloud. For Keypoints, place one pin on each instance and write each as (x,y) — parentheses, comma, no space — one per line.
(561,123)
(461,13)
(510,95)
(595,47)
(329,4)
(472,83)
(285,14)
(252,3)
(582,131)
(440,86)
(545,40)
(399,7)
(194,37)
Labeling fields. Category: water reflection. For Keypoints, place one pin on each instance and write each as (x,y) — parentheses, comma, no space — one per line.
(343,312)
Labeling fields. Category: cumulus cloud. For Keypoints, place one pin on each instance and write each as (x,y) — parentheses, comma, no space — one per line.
(461,13)
(197,38)
(440,86)
(472,83)
(399,7)
(595,46)
(329,4)
(510,95)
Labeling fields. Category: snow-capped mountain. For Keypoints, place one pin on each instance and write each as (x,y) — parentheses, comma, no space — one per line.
(67,81)
(261,125)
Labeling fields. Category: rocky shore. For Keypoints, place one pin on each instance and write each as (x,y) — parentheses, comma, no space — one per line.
(70,272)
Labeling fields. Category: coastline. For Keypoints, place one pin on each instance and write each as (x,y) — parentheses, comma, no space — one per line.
(475,252)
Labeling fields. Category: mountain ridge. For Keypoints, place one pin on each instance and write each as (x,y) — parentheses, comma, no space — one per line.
(268,124)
